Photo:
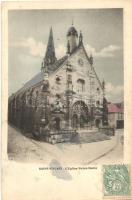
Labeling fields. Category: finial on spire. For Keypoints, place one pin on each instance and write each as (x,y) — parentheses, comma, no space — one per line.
(72,22)
(103,84)
(42,66)
(91,59)
(80,38)
(103,87)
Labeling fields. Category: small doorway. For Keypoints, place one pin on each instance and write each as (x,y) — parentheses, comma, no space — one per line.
(97,123)
(57,123)
(119,124)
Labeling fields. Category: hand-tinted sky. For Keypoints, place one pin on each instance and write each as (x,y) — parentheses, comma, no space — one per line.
(102,35)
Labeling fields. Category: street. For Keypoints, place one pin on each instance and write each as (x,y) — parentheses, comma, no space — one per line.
(114,155)
(25,149)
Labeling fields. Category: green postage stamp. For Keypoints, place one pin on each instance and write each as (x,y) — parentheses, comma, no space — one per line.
(116,180)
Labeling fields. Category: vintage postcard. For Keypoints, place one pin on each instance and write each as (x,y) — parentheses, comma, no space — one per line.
(66,100)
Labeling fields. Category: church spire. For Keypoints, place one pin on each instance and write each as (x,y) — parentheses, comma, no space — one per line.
(50,57)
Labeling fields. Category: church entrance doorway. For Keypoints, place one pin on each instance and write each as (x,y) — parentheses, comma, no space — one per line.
(80,114)
(82,121)
(75,121)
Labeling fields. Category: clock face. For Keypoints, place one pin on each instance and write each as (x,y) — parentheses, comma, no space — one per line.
(80,62)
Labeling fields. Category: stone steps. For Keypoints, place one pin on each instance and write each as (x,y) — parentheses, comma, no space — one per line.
(89,137)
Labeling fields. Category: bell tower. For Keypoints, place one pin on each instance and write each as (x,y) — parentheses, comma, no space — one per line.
(72,36)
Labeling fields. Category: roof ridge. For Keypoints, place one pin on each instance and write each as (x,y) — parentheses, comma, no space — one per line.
(92,66)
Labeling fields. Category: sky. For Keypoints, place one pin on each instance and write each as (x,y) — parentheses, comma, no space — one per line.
(102,29)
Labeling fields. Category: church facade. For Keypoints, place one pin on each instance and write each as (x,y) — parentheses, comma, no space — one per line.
(66,94)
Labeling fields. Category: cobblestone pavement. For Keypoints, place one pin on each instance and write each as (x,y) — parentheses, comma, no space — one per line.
(25,149)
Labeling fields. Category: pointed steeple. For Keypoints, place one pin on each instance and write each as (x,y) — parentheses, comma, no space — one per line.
(50,57)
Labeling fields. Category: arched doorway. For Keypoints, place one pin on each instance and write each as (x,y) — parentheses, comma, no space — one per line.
(80,114)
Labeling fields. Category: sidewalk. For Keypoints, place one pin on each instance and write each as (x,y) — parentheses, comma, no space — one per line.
(25,149)
(85,153)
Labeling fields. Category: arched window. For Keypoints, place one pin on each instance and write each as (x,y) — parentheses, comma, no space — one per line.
(80,85)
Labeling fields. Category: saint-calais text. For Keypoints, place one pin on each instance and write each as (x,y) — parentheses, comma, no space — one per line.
(66,168)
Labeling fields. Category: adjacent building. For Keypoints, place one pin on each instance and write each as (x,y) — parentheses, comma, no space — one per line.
(116,115)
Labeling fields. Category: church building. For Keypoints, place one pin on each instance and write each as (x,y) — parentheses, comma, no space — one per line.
(66,94)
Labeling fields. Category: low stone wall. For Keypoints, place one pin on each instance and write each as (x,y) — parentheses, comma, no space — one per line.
(107,131)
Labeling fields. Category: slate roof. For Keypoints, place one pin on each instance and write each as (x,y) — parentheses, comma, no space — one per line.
(39,77)
(93,68)
(57,64)
(33,81)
